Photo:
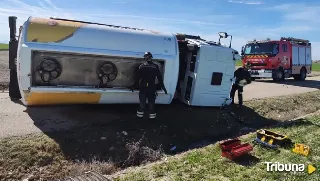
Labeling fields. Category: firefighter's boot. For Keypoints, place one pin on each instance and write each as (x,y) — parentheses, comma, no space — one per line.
(140,111)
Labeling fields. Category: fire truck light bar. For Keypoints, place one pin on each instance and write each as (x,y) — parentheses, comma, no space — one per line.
(297,40)
(258,41)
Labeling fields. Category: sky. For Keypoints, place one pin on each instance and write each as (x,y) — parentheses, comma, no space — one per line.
(243,19)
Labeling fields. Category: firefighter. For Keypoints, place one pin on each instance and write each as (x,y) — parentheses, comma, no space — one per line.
(242,77)
(146,75)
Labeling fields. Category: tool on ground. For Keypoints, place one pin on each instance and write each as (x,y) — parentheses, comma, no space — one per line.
(301,149)
(233,148)
(271,139)
(90,175)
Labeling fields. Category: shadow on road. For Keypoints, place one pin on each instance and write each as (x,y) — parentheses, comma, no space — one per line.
(306,83)
(113,132)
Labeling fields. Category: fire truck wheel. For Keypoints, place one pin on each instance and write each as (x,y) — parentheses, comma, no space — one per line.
(278,75)
(303,74)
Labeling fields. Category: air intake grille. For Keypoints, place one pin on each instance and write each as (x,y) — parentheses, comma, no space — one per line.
(258,64)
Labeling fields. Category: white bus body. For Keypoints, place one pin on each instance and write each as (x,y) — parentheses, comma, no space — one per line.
(75,51)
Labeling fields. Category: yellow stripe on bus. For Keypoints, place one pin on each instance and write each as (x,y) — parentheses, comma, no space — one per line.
(39,30)
(36,98)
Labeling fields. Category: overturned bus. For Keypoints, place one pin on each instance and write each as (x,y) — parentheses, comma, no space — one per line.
(61,61)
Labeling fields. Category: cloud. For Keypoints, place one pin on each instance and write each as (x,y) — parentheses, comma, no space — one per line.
(315,48)
(246,2)
(166,23)
(207,26)
(299,12)
(52,5)
(178,21)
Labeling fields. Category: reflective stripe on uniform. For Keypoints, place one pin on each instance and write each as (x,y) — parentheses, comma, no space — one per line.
(138,112)
(152,115)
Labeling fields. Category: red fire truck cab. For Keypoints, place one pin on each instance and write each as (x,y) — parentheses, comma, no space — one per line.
(278,59)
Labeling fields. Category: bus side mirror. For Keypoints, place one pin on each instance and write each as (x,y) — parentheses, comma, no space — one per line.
(242,50)
(223,34)
(12,26)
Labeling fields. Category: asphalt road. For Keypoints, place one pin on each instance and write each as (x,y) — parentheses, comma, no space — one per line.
(267,88)
(16,119)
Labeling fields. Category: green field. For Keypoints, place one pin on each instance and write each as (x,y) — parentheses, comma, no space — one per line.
(238,63)
(316,67)
(4,46)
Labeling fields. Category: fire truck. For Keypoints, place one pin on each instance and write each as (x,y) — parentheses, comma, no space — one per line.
(278,59)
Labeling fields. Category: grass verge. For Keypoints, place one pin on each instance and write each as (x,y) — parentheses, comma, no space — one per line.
(4,46)
(316,67)
(126,142)
(207,164)
(238,63)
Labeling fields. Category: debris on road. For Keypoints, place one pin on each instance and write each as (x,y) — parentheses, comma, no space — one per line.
(103,138)
(173,148)
(87,176)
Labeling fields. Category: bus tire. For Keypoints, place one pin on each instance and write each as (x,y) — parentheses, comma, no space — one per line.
(14,92)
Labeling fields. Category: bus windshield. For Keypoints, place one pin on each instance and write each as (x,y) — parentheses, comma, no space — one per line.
(261,48)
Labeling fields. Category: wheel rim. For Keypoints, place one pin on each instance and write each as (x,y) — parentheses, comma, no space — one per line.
(279,75)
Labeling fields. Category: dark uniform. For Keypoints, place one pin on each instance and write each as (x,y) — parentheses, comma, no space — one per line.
(146,75)
(241,73)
